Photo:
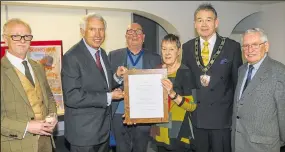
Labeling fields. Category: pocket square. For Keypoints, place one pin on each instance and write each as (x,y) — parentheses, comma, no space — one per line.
(224,61)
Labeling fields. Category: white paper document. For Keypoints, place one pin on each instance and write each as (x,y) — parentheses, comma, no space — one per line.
(146,96)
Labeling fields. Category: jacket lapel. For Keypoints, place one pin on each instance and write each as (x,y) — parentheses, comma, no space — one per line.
(12,75)
(261,74)
(108,67)
(147,60)
(216,46)
(242,73)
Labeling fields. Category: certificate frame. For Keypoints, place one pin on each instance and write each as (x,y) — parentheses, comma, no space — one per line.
(127,101)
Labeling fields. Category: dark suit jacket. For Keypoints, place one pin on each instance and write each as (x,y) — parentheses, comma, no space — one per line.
(119,58)
(215,102)
(87,116)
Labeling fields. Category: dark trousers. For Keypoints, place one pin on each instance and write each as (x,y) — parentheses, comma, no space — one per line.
(104,147)
(177,149)
(133,138)
(212,140)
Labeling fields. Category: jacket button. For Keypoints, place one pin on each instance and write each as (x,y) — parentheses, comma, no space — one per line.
(211,89)
(198,102)
(237,117)
(32,118)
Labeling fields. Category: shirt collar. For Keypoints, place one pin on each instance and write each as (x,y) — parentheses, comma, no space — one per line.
(15,60)
(90,49)
(257,65)
(133,53)
(211,41)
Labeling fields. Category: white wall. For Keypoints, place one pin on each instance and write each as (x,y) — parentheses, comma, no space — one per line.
(169,14)
(49,23)
(273,22)
(3,18)
(117,23)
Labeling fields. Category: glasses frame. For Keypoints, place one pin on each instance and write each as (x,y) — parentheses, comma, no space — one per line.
(22,37)
(253,46)
(135,31)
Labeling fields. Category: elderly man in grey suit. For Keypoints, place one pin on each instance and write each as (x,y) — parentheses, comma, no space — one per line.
(86,83)
(131,138)
(259,107)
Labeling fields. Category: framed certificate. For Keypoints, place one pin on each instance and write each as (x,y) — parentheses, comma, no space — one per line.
(146,101)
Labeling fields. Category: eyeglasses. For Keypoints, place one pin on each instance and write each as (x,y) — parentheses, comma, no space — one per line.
(253,46)
(131,32)
(19,37)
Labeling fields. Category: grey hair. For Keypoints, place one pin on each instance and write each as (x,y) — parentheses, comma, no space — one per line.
(85,19)
(206,7)
(263,36)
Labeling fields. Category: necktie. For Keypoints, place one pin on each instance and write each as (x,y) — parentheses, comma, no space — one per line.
(250,68)
(205,53)
(28,73)
(98,63)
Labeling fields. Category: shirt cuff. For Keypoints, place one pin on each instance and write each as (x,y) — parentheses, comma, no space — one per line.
(26,130)
(119,80)
(109,98)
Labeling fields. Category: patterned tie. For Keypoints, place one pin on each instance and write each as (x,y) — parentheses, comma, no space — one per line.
(205,53)
(250,68)
(98,63)
(28,73)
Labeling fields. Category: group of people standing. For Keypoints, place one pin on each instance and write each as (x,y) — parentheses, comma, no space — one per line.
(216,103)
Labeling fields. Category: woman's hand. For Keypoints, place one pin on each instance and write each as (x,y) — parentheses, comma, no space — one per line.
(167,84)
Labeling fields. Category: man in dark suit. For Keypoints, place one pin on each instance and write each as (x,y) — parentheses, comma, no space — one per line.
(86,82)
(131,138)
(259,107)
(214,61)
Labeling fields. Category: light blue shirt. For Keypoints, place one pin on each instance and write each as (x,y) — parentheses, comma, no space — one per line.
(254,70)
(92,52)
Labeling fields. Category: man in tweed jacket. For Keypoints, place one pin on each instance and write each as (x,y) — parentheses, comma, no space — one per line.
(259,107)
(26,98)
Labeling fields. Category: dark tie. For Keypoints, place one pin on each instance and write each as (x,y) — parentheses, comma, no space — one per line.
(250,68)
(98,63)
(28,73)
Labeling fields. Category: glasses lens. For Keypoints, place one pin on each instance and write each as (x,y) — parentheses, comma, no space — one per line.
(16,37)
(28,37)
(130,32)
(139,31)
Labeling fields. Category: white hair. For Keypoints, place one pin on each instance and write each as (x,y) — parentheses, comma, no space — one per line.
(263,36)
(85,19)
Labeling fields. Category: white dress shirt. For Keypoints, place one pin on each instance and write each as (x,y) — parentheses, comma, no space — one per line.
(17,63)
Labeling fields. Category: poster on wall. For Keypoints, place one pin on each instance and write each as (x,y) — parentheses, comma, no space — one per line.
(49,54)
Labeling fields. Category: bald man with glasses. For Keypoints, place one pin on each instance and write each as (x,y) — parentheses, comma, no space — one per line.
(26,98)
(132,138)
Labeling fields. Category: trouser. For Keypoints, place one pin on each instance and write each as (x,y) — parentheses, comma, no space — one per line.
(133,138)
(104,147)
(212,140)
